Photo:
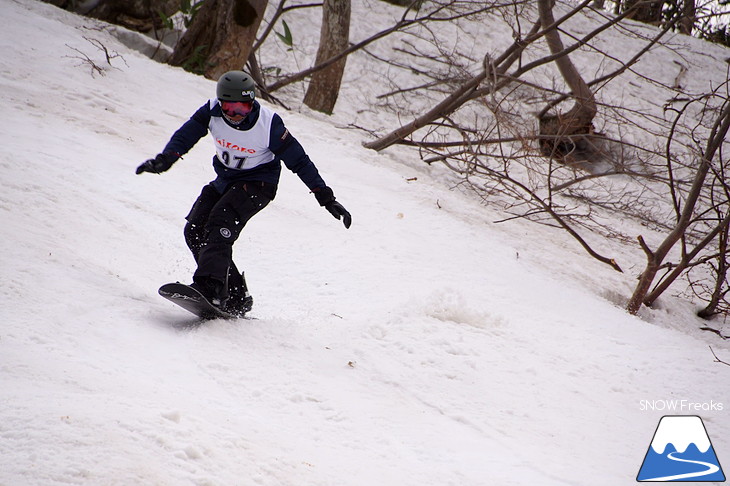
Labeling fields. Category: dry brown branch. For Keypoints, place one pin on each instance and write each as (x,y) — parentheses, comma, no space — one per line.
(718,360)
(656,257)
(86,60)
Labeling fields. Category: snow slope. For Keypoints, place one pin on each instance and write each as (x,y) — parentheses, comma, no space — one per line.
(423,346)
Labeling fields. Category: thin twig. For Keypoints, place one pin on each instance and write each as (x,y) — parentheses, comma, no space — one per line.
(718,360)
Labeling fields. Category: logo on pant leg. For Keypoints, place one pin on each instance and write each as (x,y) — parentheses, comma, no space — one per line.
(225,232)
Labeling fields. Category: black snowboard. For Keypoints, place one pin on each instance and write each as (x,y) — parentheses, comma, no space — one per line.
(193,301)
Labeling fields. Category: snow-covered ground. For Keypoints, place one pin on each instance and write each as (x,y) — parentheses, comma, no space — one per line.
(425,345)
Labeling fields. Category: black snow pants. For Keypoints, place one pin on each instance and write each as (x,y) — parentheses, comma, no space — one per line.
(215,222)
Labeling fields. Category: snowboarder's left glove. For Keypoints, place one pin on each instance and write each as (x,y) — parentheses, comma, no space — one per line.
(326,198)
(337,210)
(159,164)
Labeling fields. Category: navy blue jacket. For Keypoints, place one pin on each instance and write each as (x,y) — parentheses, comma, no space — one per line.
(284,146)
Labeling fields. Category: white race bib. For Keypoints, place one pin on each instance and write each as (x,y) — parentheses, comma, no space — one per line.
(242,149)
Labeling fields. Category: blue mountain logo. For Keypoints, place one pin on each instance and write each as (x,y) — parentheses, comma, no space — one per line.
(681,451)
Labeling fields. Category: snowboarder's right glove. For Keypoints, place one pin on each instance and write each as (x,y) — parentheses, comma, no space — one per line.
(159,164)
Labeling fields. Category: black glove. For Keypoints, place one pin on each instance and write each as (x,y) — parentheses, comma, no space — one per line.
(337,210)
(325,197)
(159,164)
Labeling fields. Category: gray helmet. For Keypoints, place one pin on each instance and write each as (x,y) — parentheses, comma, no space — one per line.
(235,86)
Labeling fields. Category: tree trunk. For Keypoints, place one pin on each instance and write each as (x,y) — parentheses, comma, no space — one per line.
(139,15)
(558,132)
(649,12)
(720,275)
(689,17)
(334,38)
(220,37)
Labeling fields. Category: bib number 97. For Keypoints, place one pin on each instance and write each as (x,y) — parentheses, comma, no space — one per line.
(237,161)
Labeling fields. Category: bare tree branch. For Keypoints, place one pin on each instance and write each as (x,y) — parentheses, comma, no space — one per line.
(656,257)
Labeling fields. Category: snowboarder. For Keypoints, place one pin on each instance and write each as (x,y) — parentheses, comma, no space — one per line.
(250,142)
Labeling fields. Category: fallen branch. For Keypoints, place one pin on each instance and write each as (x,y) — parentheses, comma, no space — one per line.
(716,331)
(95,68)
(718,360)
